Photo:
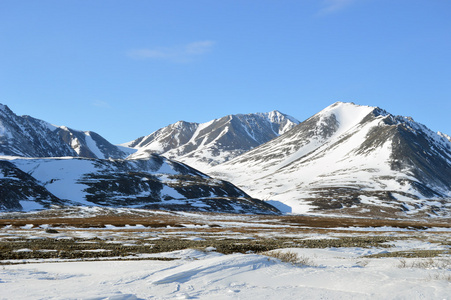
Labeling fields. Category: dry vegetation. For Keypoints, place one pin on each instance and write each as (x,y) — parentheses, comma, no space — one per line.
(158,219)
(78,248)
(429,263)
(126,234)
(410,254)
(291,257)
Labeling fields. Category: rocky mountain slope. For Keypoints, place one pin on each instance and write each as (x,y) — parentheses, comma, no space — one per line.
(207,144)
(350,159)
(153,183)
(29,137)
(43,165)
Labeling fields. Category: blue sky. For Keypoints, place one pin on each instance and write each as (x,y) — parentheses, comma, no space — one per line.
(126,68)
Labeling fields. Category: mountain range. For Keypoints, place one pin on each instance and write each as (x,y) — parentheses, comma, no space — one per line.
(212,143)
(44,165)
(347,159)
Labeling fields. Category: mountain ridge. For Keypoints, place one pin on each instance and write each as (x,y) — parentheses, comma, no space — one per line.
(26,136)
(213,142)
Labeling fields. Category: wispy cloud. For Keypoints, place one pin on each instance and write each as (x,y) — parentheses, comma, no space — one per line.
(101,104)
(333,6)
(181,53)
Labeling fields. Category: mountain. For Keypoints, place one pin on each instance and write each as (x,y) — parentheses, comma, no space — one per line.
(44,165)
(350,159)
(207,144)
(151,183)
(29,137)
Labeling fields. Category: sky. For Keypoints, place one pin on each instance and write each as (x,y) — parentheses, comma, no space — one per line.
(126,68)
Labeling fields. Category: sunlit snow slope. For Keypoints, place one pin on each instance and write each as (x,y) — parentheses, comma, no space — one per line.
(350,159)
(207,144)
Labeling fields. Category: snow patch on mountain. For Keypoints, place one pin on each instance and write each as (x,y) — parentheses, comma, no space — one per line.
(92,145)
(60,176)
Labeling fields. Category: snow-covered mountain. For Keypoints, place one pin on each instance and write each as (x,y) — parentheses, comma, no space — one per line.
(207,144)
(350,159)
(153,183)
(29,137)
(44,165)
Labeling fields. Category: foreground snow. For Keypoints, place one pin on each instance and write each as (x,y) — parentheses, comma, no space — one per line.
(329,274)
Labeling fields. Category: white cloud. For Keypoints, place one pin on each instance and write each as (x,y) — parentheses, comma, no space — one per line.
(183,53)
(197,48)
(333,6)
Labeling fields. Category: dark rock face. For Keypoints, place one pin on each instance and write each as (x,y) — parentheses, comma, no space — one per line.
(424,156)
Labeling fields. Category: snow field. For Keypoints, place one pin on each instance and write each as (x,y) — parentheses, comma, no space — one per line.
(337,274)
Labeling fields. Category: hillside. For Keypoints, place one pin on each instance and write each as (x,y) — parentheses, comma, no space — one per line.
(350,159)
(152,183)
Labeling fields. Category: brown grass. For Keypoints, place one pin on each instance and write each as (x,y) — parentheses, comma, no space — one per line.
(223,231)
(81,248)
(174,220)
(94,222)
(330,222)
(410,254)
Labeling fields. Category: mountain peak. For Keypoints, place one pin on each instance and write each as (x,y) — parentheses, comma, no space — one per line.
(213,142)
(277,116)
(339,105)
(340,117)
(444,136)
(5,108)
(351,106)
